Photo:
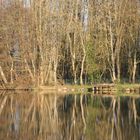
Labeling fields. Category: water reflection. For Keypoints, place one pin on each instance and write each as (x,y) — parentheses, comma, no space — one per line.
(68,117)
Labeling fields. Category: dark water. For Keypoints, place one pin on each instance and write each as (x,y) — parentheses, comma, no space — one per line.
(27,116)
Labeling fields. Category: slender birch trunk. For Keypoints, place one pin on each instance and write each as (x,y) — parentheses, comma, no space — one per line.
(134,67)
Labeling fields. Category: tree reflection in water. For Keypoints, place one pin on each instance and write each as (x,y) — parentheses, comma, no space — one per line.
(68,117)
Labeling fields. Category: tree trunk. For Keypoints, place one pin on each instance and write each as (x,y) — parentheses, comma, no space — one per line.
(41,74)
(55,74)
(82,70)
(134,68)
(112,49)
(113,70)
(11,71)
(83,61)
(73,56)
(75,77)
(29,70)
(118,70)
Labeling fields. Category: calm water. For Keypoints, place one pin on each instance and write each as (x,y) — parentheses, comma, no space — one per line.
(27,116)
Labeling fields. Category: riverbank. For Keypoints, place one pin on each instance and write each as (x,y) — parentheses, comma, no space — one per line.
(105,88)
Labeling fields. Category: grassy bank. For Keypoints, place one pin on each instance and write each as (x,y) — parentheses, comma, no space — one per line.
(125,86)
(117,88)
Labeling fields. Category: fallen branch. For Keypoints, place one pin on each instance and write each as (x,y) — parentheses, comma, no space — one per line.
(3,75)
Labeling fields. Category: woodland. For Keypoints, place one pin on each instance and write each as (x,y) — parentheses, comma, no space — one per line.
(45,42)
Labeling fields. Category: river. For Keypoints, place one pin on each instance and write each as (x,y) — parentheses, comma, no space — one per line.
(34,116)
